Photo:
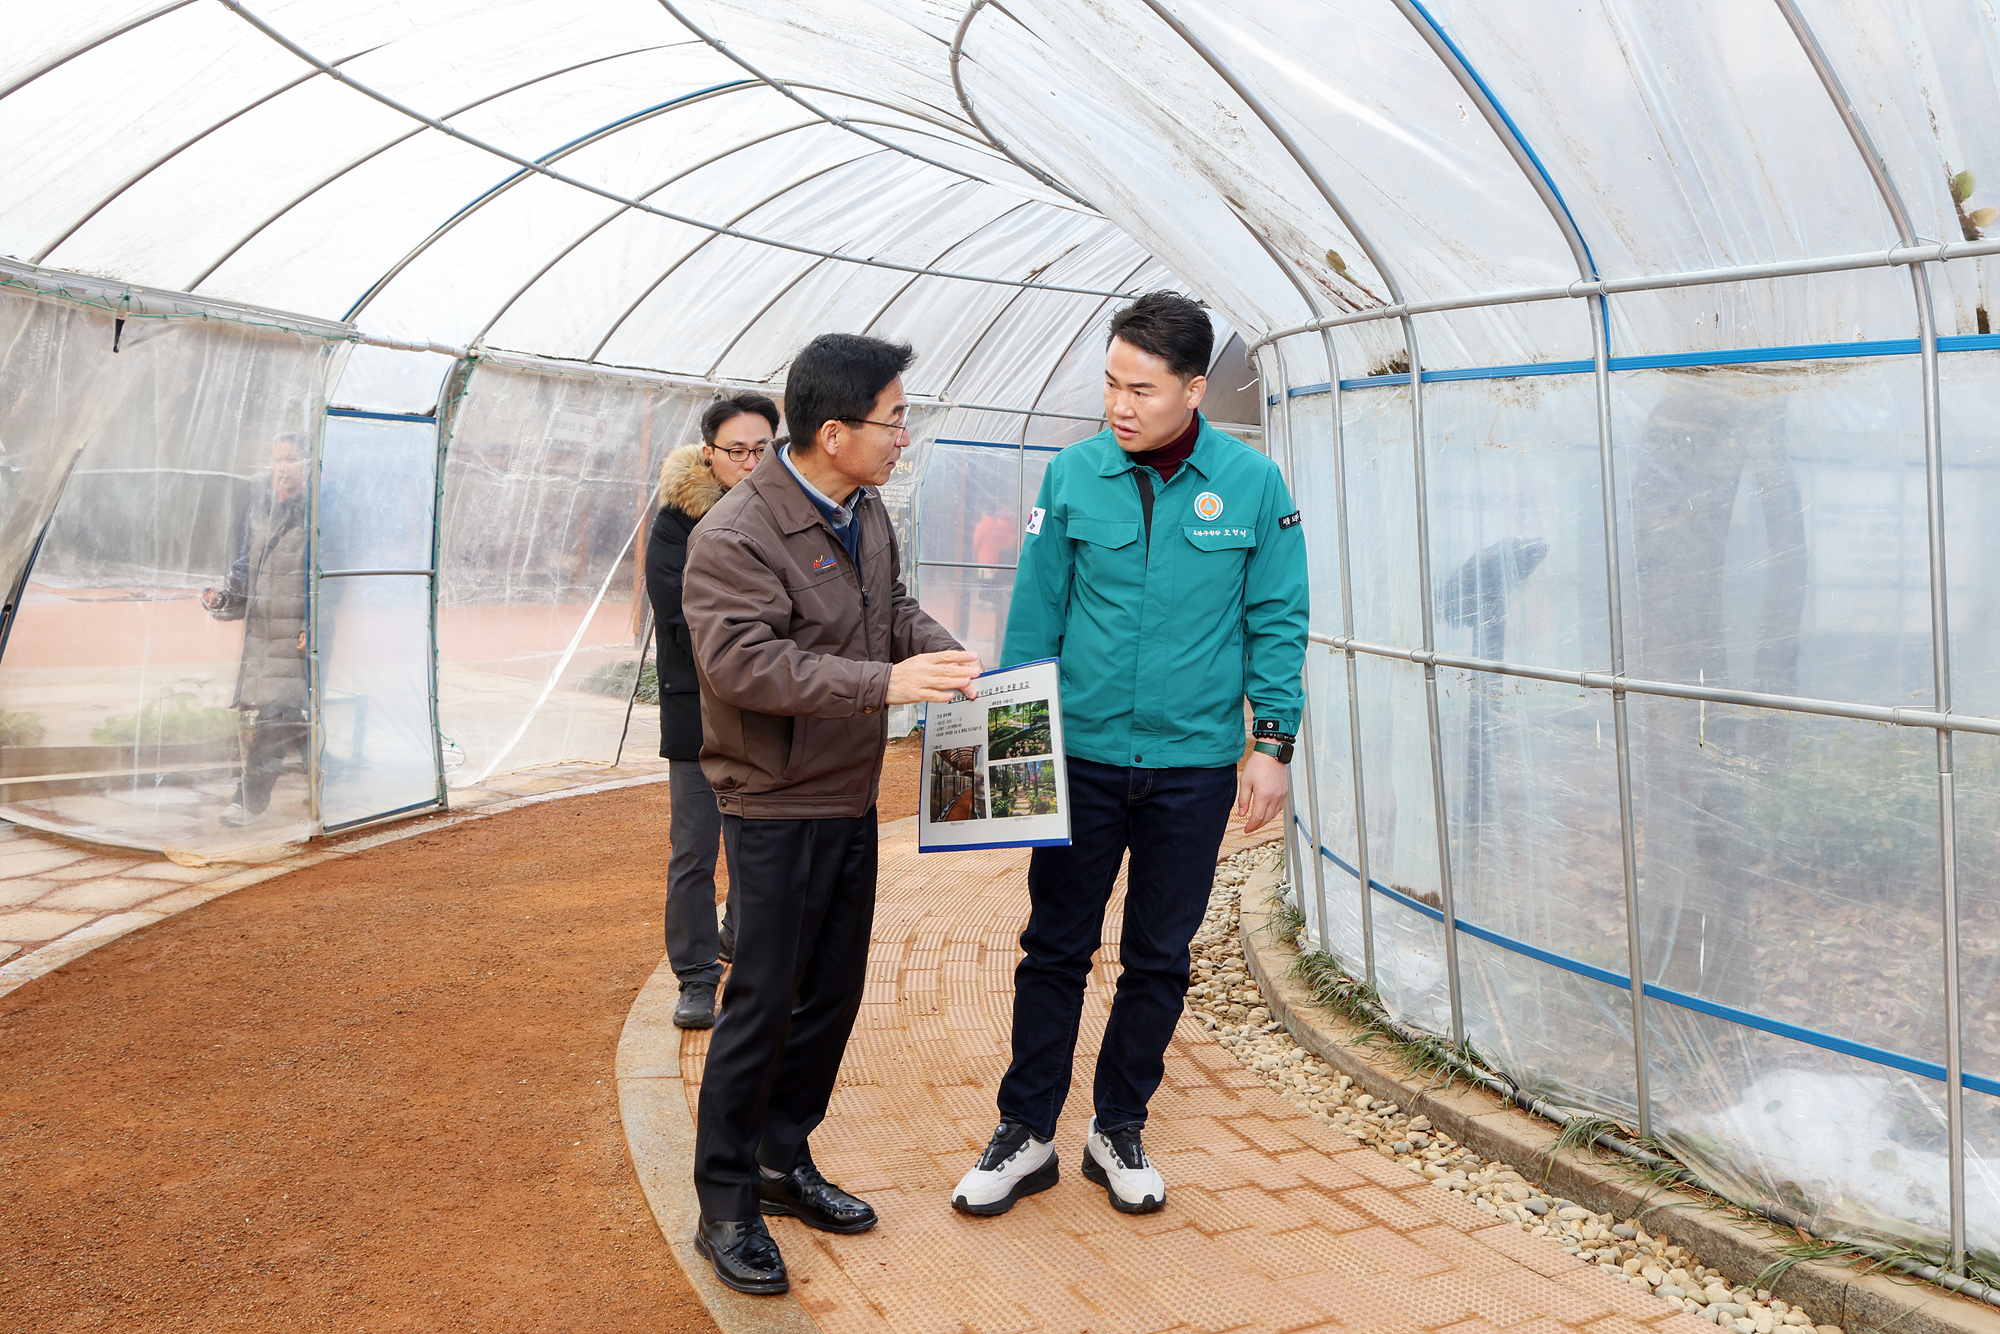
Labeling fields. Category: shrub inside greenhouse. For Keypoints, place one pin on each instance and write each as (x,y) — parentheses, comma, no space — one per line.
(1629,365)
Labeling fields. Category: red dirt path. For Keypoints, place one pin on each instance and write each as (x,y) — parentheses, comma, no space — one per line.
(375,1094)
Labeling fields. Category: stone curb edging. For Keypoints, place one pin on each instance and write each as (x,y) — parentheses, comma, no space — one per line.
(20,971)
(1859,1303)
(659,1136)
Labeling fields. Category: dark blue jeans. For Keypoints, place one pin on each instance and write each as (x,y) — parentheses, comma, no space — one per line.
(1172,820)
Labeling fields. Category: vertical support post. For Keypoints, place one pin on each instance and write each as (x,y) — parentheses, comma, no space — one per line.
(1954,1063)
(1614,574)
(315,742)
(1289,468)
(1362,873)
(1920,284)
(1426,598)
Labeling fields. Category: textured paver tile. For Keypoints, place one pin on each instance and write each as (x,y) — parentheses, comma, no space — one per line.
(1397,1212)
(1052,1306)
(1622,1297)
(1128,1306)
(1266,1210)
(1125,1254)
(1325,1210)
(1322,1169)
(1374,1250)
(1468,1292)
(1207,1213)
(1537,1254)
(1271,1306)
(39,924)
(1200,1304)
(1562,1302)
(1272,1256)
(1259,1169)
(1461,1252)
(1617,1324)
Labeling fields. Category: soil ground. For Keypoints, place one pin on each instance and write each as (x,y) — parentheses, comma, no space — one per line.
(375,1094)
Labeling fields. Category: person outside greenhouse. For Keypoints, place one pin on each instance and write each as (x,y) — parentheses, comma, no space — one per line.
(803,636)
(1163,563)
(266,590)
(735,434)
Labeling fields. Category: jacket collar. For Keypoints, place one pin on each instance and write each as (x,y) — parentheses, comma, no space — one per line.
(1116,461)
(790,505)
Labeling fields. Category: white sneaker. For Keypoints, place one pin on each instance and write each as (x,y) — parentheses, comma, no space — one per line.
(1015,1164)
(1118,1162)
(235,815)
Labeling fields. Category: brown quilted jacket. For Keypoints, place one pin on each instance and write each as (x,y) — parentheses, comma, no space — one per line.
(793,646)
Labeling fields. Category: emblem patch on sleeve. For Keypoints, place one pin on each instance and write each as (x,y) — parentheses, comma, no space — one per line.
(1289,521)
(1035,520)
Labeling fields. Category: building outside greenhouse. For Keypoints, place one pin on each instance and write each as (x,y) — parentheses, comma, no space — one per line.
(1630,364)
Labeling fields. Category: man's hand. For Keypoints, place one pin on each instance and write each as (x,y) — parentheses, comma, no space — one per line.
(1260,790)
(933,678)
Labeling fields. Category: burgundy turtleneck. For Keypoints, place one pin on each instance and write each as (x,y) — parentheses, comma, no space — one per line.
(1167,459)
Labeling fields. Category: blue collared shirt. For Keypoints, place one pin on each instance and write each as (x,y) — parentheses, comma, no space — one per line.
(839,517)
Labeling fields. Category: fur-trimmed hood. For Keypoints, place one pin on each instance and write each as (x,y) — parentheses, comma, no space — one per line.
(687,484)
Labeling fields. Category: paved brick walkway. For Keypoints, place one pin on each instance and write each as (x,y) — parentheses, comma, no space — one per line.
(1274,1222)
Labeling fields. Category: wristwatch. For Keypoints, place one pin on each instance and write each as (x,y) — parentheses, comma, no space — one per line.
(1272,740)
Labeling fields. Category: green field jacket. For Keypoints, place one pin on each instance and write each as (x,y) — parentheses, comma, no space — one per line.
(1161,641)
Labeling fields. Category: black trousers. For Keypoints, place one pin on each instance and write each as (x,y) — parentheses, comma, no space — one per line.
(275,730)
(804,892)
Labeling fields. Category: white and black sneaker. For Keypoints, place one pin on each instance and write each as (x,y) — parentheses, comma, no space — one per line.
(1117,1161)
(1015,1164)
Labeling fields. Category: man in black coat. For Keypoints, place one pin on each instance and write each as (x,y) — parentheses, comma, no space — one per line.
(735,432)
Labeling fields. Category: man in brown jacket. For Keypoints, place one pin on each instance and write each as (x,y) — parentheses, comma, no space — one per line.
(803,636)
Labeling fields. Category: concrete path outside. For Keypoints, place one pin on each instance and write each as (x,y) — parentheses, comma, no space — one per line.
(60,897)
(1274,1222)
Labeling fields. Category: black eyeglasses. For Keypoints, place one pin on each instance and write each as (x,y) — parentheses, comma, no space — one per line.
(738,453)
(899,426)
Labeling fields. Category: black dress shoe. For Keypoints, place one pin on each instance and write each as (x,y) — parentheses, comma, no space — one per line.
(743,1254)
(697,1006)
(804,1194)
(725,947)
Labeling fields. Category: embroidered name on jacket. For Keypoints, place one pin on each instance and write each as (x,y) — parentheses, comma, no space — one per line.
(1218,532)
(823,563)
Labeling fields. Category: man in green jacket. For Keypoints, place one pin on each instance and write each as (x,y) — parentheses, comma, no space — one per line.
(1163,563)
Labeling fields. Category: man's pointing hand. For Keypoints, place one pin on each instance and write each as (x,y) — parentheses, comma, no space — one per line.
(933,678)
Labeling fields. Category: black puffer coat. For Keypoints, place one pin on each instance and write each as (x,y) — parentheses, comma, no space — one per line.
(688,490)
(267,592)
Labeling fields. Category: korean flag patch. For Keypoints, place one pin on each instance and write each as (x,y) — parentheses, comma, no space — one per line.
(1035,521)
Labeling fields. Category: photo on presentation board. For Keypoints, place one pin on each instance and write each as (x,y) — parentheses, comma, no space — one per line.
(993,766)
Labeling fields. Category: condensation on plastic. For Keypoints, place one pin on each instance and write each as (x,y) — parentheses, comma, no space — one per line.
(548,490)
(114,673)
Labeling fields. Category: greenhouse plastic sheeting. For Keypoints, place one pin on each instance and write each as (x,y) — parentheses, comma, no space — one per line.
(549,485)
(123,699)
(1657,343)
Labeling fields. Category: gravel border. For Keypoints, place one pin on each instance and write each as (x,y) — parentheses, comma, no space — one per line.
(1510,1149)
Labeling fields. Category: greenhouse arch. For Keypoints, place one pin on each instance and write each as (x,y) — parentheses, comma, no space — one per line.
(1630,362)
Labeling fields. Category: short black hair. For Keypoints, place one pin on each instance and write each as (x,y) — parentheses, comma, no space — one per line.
(1171,327)
(837,377)
(726,410)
